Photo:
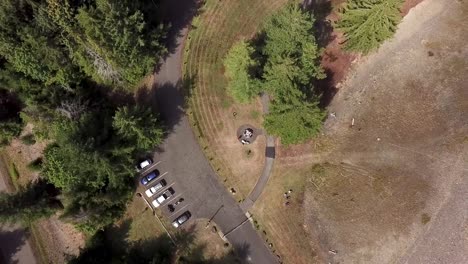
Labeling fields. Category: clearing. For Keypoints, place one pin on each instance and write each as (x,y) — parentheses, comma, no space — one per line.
(391,188)
(213,113)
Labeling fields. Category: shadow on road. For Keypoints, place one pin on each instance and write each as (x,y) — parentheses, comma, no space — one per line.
(11,242)
(177,15)
(113,243)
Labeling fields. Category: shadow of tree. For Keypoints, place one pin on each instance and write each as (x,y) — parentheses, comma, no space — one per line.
(323,33)
(11,242)
(112,246)
(177,15)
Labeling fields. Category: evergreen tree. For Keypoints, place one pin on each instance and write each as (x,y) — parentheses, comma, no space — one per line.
(139,126)
(368,23)
(109,39)
(294,123)
(292,63)
(31,45)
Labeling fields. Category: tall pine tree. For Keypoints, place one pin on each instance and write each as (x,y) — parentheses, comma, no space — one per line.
(368,23)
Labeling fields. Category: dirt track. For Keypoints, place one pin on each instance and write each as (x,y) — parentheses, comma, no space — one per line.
(396,189)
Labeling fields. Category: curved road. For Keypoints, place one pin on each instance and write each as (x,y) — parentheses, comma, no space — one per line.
(188,171)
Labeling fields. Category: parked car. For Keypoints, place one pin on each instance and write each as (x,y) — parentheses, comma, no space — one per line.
(149,177)
(174,205)
(163,197)
(181,219)
(156,188)
(143,164)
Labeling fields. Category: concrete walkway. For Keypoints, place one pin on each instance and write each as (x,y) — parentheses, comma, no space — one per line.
(269,162)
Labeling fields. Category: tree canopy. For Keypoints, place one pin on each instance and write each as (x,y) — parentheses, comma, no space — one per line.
(63,59)
(368,23)
(239,63)
(289,61)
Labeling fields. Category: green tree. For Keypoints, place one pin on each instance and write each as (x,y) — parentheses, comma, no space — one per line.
(294,123)
(109,39)
(238,64)
(27,204)
(138,125)
(31,46)
(291,50)
(292,63)
(368,23)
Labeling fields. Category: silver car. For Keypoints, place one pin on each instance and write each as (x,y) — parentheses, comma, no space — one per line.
(181,219)
(163,197)
(156,188)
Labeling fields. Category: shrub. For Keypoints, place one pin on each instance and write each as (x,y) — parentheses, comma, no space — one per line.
(28,139)
(238,64)
(36,165)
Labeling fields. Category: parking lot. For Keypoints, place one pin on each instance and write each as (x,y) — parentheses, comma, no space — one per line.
(164,184)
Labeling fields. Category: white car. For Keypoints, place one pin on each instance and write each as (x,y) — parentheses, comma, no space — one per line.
(181,219)
(151,191)
(163,197)
(143,164)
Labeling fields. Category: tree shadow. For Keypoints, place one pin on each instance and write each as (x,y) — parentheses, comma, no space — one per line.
(320,9)
(112,246)
(323,33)
(11,242)
(168,100)
(177,15)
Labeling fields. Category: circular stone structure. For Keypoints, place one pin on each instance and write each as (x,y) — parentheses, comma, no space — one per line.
(246,134)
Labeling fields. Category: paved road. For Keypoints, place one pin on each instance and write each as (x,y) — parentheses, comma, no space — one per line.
(188,171)
(14,247)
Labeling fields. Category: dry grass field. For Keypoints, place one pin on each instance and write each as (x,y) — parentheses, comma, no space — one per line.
(391,188)
(219,25)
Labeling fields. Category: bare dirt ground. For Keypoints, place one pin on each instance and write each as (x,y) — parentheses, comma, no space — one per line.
(394,187)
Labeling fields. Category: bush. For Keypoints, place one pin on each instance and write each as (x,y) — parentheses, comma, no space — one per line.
(36,165)
(8,131)
(28,139)
(239,64)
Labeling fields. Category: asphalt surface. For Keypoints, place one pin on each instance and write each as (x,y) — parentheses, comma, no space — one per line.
(182,161)
(14,245)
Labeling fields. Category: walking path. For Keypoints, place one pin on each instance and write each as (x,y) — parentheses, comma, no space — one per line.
(269,162)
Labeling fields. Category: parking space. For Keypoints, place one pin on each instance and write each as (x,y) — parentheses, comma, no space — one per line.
(173,206)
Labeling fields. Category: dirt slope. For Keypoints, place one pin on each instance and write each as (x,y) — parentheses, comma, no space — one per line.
(395,188)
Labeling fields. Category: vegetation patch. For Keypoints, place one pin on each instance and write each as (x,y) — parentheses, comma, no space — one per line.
(284,62)
(425,218)
(368,23)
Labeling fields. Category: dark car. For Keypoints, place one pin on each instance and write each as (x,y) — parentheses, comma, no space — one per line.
(181,219)
(149,177)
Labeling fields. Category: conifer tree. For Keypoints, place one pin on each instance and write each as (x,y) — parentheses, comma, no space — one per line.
(368,23)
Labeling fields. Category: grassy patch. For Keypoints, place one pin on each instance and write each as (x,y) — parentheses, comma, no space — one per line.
(254,114)
(14,174)
(425,218)
(279,216)
(213,32)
